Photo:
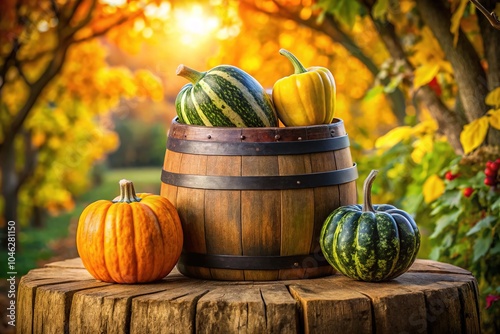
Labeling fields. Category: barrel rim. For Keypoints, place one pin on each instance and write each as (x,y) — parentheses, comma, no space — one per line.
(228,148)
(335,122)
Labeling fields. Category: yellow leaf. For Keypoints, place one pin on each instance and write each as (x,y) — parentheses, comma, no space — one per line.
(474,133)
(394,136)
(493,98)
(421,147)
(424,74)
(445,66)
(494,118)
(433,188)
(456,18)
(425,127)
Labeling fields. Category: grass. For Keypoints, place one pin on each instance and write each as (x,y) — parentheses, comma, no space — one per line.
(38,245)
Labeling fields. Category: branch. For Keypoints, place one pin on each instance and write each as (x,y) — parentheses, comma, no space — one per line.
(82,23)
(491,44)
(52,69)
(448,122)
(35,90)
(66,19)
(8,62)
(30,159)
(21,72)
(55,8)
(105,30)
(331,28)
(469,74)
(490,16)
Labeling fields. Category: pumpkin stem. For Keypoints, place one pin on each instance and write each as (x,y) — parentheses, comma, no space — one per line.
(127,193)
(367,191)
(298,67)
(192,75)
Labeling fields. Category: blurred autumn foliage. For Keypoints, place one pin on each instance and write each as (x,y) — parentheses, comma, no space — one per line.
(418,87)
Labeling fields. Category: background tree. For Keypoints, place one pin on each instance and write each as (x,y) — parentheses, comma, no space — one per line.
(443,57)
(429,43)
(54,81)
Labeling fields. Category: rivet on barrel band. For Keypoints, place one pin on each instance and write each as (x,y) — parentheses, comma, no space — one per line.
(257,148)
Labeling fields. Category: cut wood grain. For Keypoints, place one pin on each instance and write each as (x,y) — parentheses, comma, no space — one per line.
(431,297)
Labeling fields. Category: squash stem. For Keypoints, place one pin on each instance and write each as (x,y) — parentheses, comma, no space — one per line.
(192,75)
(297,65)
(127,193)
(367,191)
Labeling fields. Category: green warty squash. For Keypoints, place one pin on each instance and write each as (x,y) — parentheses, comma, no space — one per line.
(224,96)
(370,242)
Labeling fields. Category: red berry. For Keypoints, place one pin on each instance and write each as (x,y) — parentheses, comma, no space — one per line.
(495,166)
(468,191)
(497,161)
(436,87)
(449,176)
(490,181)
(490,172)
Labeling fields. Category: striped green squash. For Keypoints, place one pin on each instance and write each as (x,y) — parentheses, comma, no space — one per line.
(370,242)
(223,96)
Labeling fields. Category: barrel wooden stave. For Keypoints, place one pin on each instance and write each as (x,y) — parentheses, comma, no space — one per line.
(228,204)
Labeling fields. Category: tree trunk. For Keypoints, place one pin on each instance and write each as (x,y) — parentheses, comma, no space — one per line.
(38,218)
(9,191)
(448,122)
(491,44)
(12,180)
(469,74)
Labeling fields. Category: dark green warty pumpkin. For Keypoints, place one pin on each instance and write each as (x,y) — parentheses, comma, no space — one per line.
(370,242)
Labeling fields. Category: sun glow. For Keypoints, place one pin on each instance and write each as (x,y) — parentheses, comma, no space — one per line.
(194,24)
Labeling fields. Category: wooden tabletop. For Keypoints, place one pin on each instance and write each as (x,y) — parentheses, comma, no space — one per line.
(432,297)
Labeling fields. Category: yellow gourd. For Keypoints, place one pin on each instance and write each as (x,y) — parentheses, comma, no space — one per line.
(306,97)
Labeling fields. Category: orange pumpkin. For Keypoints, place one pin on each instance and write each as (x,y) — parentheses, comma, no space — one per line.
(135,238)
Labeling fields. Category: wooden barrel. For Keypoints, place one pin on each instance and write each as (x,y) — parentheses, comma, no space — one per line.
(252,201)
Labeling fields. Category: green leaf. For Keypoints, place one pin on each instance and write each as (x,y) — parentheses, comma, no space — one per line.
(444,222)
(495,250)
(447,240)
(373,92)
(481,246)
(379,10)
(450,199)
(435,253)
(343,10)
(496,204)
(482,224)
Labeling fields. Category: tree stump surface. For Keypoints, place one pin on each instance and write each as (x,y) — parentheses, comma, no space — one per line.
(432,297)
